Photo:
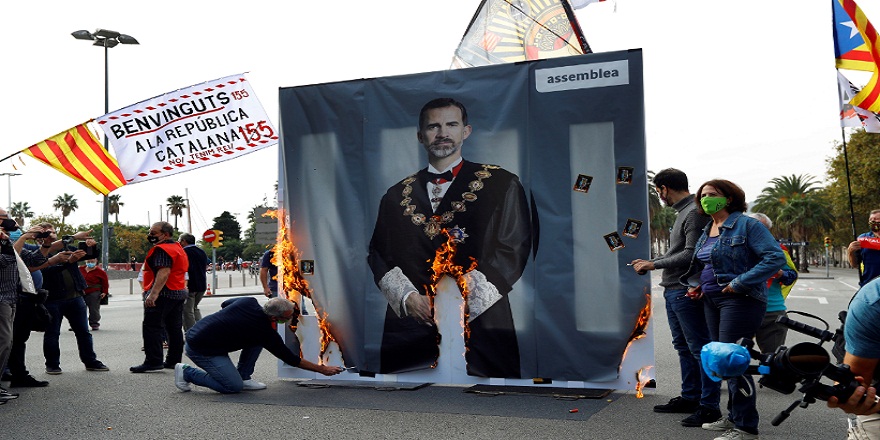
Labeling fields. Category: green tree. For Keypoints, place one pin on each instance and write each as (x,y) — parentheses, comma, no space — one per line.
(66,203)
(20,211)
(662,218)
(798,208)
(232,244)
(130,242)
(227,223)
(54,220)
(176,205)
(863,154)
(115,204)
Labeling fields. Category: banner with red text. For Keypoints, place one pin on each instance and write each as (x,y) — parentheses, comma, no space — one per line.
(189,128)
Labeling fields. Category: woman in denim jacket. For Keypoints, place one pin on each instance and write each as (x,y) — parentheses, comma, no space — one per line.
(734,258)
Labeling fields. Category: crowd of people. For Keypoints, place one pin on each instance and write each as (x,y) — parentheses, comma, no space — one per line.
(42,282)
(725,278)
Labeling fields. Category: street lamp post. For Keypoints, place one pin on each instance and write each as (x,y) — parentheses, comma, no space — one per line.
(9,181)
(107,39)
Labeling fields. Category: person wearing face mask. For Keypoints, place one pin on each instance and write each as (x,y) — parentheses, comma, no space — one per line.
(14,278)
(864,252)
(66,286)
(97,288)
(700,395)
(165,292)
(734,258)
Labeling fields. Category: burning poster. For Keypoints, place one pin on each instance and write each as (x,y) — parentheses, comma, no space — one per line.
(446,239)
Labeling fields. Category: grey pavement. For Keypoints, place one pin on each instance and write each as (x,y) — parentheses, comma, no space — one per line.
(121,405)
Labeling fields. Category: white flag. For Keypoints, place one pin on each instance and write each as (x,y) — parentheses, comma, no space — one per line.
(851,116)
(578,4)
(189,128)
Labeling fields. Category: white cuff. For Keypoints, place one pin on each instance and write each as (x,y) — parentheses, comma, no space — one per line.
(396,286)
(481,294)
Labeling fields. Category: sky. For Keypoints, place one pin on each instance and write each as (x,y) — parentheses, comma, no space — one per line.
(733,90)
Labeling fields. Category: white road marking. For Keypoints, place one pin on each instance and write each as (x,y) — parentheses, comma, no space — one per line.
(847,285)
(821,299)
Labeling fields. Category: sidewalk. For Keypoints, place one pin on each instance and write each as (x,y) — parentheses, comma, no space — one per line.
(229,283)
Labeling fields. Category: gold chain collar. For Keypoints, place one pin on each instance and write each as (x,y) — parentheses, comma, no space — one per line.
(433,224)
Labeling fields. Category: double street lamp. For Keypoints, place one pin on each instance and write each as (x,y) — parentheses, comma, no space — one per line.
(107,39)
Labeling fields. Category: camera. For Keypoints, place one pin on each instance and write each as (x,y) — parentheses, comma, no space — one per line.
(43,235)
(805,363)
(67,240)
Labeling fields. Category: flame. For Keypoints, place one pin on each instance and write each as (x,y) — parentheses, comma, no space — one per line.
(292,283)
(642,379)
(639,328)
(444,264)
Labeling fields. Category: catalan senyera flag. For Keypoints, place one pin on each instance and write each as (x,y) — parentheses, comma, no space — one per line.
(869,97)
(78,154)
(850,50)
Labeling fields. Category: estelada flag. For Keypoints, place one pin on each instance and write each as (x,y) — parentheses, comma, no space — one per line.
(869,97)
(78,154)
(850,50)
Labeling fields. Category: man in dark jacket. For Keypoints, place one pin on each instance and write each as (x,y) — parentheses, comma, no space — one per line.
(197,282)
(241,324)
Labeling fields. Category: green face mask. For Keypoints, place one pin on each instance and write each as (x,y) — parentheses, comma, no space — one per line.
(711,205)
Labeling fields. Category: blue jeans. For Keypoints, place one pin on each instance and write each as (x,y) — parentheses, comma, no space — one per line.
(74,309)
(218,373)
(732,316)
(687,321)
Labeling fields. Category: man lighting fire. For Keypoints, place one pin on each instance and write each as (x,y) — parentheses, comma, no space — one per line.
(484,209)
(241,324)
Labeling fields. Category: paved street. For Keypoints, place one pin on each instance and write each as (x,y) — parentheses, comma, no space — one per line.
(121,405)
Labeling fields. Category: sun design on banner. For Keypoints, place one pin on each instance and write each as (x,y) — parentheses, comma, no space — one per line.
(293,284)
(442,265)
(507,31)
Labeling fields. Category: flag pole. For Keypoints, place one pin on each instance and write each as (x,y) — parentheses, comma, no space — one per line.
(852,213)
(576,27)
(11,156)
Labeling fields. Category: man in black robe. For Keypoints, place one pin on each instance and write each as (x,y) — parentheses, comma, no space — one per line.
(482,208)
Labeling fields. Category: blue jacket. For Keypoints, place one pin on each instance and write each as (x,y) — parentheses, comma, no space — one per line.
(745,256)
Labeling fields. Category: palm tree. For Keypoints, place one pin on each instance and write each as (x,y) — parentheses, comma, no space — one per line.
(20,211)
(796,204)
(115,204)
(67,204)
(176,205)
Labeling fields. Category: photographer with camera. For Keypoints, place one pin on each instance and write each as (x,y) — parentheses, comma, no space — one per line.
(862,335)
(66,287)
(15,280)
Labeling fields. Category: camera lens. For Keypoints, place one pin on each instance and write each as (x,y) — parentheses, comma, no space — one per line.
(805,359)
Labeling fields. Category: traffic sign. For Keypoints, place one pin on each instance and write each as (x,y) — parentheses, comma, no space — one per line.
(209,235)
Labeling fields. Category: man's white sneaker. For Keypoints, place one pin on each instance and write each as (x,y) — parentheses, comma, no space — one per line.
(179,380)
(737,434)
(252,385)
(722,424)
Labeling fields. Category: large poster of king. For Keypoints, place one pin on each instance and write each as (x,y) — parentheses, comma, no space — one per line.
(472,225)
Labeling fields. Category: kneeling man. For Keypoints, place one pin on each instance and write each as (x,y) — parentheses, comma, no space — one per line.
(241,324)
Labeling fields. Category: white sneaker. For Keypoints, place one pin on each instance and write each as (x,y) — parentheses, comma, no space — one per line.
(737,434)
(252,385)
(179,381)
(722,424)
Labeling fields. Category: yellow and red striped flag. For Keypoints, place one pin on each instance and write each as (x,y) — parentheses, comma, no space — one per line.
(869,97)
(78,153)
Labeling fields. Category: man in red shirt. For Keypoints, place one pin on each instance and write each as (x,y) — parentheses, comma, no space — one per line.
(97,288)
